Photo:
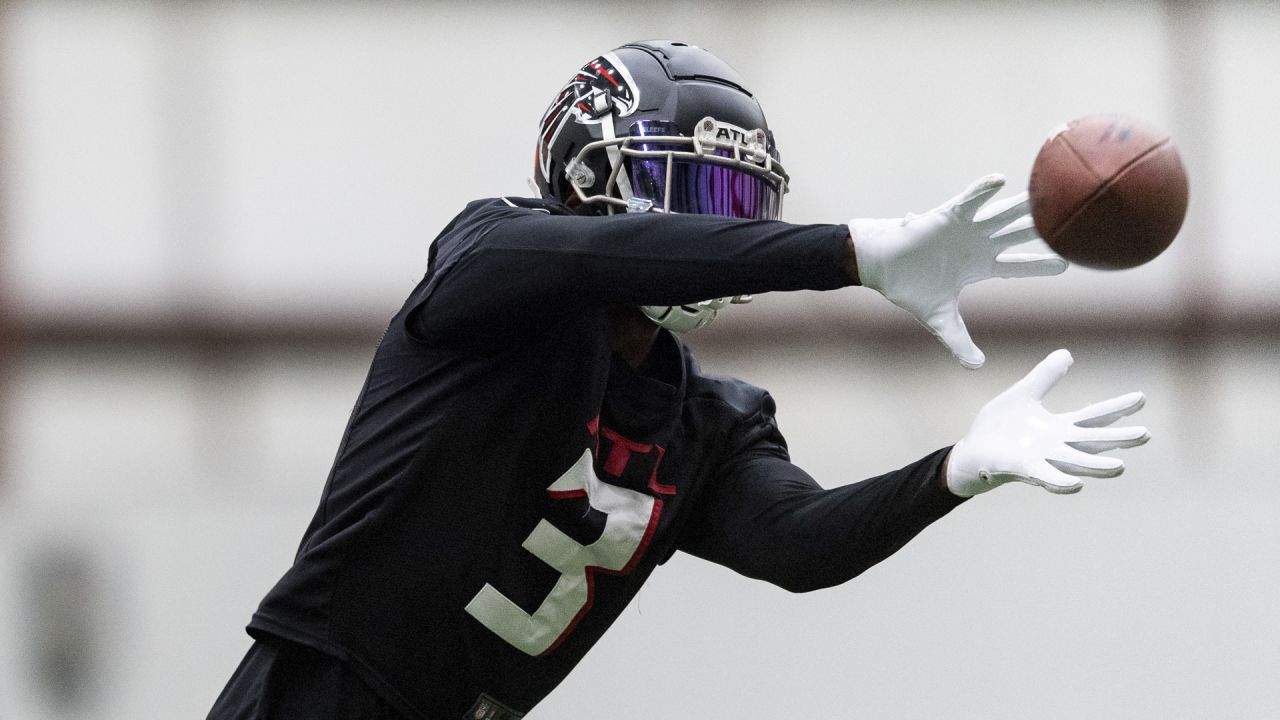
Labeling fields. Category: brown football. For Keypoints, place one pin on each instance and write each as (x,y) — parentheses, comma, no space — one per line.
(1108,192)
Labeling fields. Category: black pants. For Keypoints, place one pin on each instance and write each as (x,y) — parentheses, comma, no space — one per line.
(279,680)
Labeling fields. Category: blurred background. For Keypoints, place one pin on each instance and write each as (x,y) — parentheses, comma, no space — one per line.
(210,210)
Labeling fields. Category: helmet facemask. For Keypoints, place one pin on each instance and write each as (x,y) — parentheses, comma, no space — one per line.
(721,170)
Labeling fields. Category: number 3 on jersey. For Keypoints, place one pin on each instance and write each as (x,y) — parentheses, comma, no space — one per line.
(632,516)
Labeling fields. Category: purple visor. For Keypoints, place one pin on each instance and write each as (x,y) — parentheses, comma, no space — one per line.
(697,186)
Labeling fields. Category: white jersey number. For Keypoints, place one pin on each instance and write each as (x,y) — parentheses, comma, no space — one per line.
(630,515)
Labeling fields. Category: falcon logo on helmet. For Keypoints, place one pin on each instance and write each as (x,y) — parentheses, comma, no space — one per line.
(601,89)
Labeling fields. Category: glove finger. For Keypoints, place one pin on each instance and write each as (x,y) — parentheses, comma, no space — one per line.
(1005,210)
(1101,414)
(1083,464)
(977,194)
(1054,480)
(1096,440)
(949,327)
(1023,265)
(1044,376)
(1016,232)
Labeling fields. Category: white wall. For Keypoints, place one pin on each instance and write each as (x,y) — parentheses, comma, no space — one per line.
(238,156)
(283,160)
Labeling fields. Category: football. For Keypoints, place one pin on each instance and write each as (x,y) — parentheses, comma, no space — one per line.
(1108,192)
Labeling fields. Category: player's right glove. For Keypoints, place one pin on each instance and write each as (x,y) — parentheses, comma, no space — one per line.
(1015,438)
(922,262)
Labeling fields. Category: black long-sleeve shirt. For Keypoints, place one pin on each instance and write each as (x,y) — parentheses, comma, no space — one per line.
(505,484)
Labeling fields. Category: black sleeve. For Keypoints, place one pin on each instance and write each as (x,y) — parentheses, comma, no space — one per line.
(768,519)
(517,262)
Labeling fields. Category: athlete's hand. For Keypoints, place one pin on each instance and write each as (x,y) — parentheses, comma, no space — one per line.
(922,262)
(1015,438)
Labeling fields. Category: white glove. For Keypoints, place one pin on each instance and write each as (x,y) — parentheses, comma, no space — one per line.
(1015,438)
(922,262)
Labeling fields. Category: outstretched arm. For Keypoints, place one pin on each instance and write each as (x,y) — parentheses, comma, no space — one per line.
(517,266)
(767,519)
(771,521)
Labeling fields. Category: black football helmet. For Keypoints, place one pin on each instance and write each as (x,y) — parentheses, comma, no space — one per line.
(659,125)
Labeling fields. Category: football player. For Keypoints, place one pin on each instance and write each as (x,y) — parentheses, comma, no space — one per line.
(534,439)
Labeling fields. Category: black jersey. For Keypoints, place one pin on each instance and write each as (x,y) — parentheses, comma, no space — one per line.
(505,484)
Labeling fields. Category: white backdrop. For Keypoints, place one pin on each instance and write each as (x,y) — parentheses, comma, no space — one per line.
(271,162)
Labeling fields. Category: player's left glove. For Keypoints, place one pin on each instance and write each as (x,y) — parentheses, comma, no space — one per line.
(1015,438)
(922,262)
